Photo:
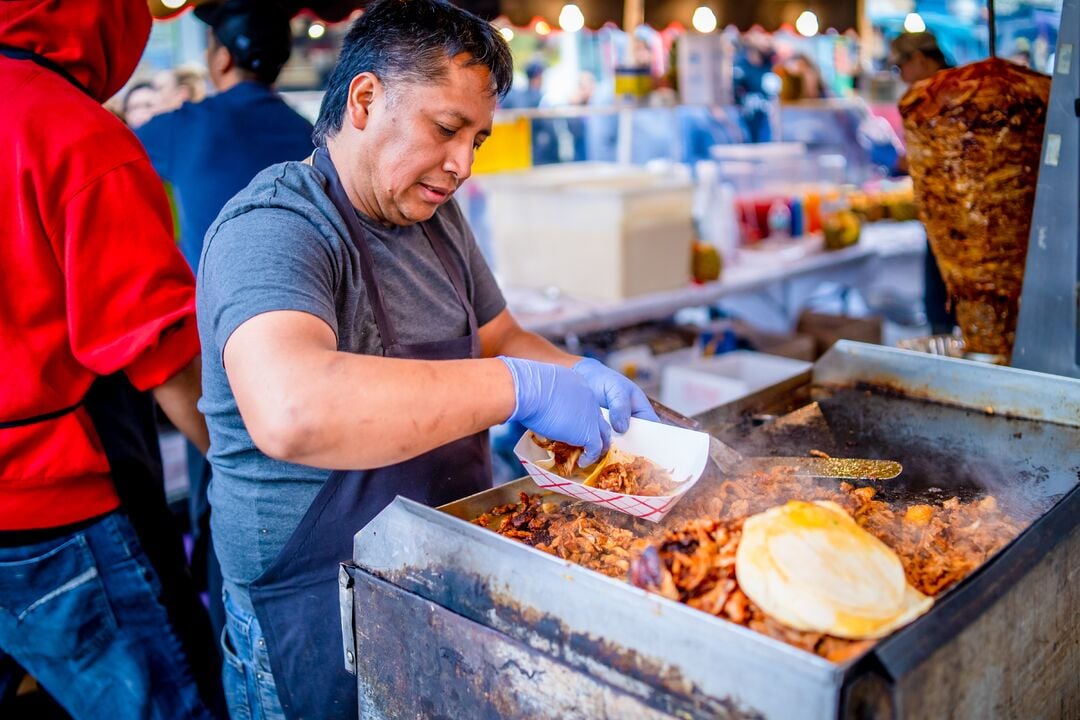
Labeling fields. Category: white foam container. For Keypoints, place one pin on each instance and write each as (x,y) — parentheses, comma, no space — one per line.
(683,452)
(703,384)
(593,230)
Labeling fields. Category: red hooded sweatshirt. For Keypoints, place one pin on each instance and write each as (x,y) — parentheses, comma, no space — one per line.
(91,282)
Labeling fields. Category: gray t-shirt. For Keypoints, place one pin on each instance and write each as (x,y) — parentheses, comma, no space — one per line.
(280,244)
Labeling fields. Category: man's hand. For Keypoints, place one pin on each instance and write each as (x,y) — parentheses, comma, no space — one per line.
(617,393)
(555,402)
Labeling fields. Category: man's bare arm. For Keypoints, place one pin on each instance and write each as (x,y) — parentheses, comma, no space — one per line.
(303,401)
(503,336)
(178,396)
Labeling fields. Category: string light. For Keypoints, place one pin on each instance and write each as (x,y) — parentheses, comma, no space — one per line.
(807,24)
(173,4)
(542,28)
(704,20)
(316,31)
(571,19)
(914,23)
(506,33)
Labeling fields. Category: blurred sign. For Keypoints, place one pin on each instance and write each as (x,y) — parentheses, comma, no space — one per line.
(508,148)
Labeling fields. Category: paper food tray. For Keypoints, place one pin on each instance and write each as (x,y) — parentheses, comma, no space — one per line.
(682,452)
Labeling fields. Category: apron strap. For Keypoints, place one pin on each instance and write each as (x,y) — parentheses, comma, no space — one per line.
(439,246)
(344,206)
(340,198)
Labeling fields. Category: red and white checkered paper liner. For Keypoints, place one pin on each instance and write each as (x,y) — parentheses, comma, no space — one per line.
(683,452)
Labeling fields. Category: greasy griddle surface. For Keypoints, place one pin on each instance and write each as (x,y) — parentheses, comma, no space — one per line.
(946,451)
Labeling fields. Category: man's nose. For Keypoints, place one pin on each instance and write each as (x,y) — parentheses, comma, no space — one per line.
(459,160)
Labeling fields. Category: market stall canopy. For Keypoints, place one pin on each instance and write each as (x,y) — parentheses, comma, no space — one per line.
(328,10)
(521,13)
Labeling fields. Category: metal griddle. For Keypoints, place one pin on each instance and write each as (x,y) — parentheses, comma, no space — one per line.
(447,619)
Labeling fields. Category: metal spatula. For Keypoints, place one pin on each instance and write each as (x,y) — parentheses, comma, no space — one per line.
(730,461)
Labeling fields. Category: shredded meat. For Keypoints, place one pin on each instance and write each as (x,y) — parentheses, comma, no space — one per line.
(690,556)
(566,456)
(568,531)
(638,477)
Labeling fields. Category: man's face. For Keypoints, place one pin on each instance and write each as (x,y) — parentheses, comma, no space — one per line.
(419,141)
(141,105)
(915,67)
(168,91)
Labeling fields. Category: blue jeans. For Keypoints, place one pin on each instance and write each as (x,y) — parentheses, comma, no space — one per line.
(249,685)
(82,614)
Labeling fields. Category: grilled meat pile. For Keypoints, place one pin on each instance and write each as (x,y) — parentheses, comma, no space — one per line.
(974,137)
(570,531)
(690,556)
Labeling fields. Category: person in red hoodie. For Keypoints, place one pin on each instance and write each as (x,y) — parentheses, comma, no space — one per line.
(96,315)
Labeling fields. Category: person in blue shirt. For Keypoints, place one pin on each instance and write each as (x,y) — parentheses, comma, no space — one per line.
(211,150)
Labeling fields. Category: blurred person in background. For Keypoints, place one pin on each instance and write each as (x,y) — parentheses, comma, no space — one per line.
(179,85)
(140,104)
(916,57)
(212,149)
(208,151)
(800,79)
(97,323)
(1021,54)
(751,83)
(545,139)
(532,94)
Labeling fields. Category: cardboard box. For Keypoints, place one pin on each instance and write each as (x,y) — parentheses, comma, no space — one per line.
(827,329)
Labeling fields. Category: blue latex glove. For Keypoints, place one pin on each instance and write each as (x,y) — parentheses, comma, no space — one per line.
(617,393)
(555,402)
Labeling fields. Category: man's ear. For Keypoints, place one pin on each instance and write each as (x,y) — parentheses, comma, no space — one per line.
(222,60)
(362,92)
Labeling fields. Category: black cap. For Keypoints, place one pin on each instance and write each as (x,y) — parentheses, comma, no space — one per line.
(256,33)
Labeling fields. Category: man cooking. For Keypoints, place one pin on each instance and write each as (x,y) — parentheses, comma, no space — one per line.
(358,348)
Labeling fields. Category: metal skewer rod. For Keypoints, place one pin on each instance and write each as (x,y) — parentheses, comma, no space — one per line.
(992,23)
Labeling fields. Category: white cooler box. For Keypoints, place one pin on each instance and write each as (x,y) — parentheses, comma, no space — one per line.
(709,382)
(592,230)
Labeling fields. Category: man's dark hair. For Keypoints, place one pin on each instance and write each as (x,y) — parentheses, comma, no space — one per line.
(905,45)
(411,41)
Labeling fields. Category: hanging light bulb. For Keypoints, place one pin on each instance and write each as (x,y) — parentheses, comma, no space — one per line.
(807,24)
(173,4)
(506,33)
(542,28)
(316,31)
(914,23)
(704,20)
(571,19)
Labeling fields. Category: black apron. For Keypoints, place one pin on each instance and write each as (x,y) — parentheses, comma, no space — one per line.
(296,599)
